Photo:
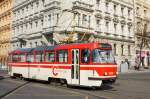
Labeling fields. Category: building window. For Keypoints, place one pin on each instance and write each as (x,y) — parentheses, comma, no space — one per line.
(22,28)
(31,45)
(98,25)
(122,48)
(115,52)
(106,5)
(42,22)
(49,18)
(31,5)
(145,13)
(84,19)
(97,22)
(97,2)
(78,20)
(27,8)
(36,23)
(107,26)
(31,25)
(26,25)
(122,29)
(22,11)
(36,44)
(129,30)
(129,13)
(57,16)
(37,4)
(129,50)
(115,28)
(122,11)
(115,10)
(89,21)
(43,2)
(137,10)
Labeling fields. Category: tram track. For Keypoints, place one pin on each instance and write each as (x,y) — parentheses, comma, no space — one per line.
(13,90)
(87,92)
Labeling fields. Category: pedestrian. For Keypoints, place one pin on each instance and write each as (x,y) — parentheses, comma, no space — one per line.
(137,61)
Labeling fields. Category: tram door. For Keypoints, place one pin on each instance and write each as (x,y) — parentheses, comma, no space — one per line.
(75,70)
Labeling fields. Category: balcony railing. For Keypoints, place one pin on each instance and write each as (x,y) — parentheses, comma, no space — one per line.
(53,5)
(83,6)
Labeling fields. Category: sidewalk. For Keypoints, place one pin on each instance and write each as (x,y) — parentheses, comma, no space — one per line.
(142,70)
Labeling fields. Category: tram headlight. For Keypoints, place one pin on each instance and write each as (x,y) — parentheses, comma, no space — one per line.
(105,73)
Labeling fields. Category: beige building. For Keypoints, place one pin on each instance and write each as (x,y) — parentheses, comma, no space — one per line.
(5,30)
(142,19)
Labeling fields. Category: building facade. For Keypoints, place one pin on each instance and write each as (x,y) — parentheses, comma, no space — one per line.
(5,30)
(142,30)
(46,22)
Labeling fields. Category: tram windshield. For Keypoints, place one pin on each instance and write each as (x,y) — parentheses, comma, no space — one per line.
(102,56)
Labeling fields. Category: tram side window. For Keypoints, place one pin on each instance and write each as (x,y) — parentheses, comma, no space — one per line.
(85,55)
(50,57)
(22,58)
(30,58)
(62,56)
(39,57)
(15,58)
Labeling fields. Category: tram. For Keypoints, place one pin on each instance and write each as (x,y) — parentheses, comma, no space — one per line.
(90,64)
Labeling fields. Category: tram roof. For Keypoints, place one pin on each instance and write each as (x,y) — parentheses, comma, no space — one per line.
(22,50)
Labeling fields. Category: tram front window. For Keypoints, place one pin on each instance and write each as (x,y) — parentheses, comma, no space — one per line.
(102,56)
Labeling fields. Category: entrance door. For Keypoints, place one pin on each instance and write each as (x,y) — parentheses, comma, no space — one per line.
(75,70)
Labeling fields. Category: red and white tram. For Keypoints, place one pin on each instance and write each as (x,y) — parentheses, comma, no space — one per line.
(88,64)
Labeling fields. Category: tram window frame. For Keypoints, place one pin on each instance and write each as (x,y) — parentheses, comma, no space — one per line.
(30,57)
(85,59)
(22,59)
(40,58)
(15,57)
(62,59)
(48,58)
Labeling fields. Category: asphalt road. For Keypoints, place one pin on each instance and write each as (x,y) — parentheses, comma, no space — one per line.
(128,86)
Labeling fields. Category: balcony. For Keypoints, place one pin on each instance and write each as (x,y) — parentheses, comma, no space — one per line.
(52,5)
(82,6)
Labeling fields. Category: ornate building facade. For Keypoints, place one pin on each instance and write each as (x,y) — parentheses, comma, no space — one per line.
(5,30)
(40,22)
(142,30)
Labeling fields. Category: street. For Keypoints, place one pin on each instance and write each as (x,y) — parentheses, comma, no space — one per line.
(127,86)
